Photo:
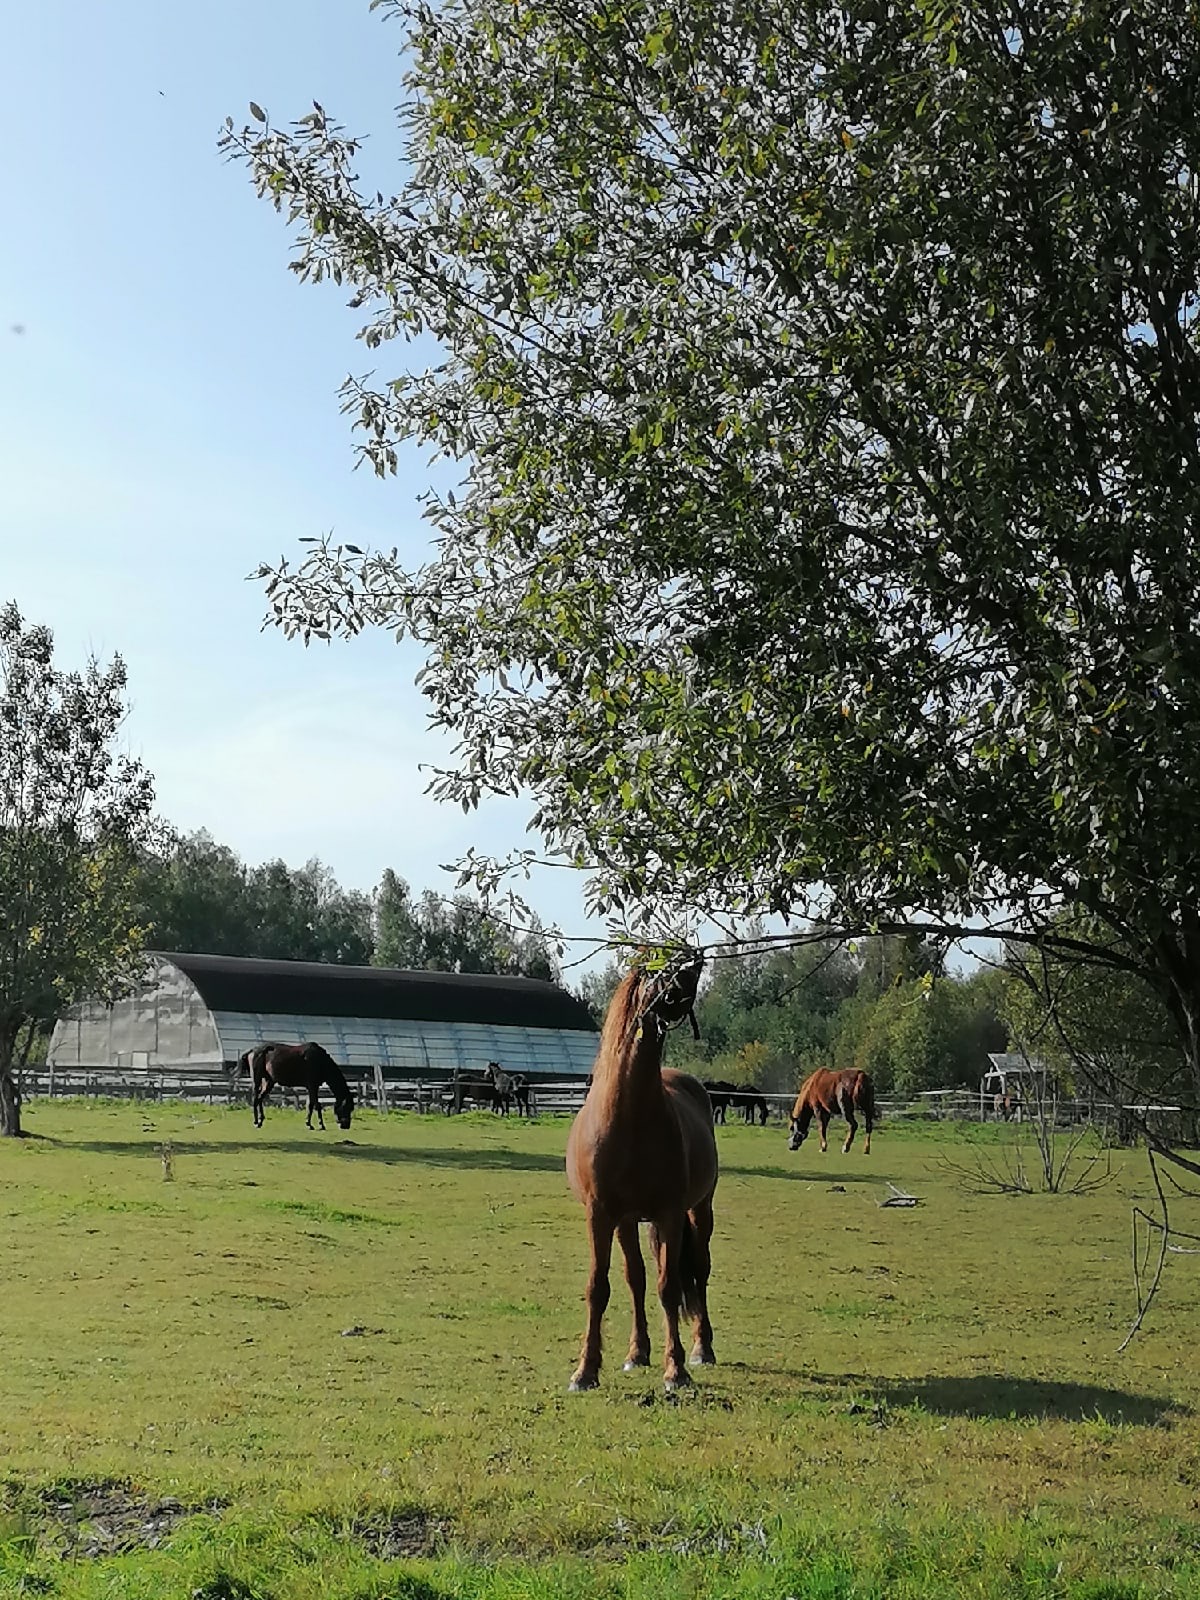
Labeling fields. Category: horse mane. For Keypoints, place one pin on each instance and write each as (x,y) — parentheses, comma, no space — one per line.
(801,1093)
(620,1021)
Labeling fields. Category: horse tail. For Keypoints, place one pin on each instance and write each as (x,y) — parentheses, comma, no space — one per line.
(691,1301)
(864,1095)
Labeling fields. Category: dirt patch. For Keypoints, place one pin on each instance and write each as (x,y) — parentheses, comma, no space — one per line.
(401,1534)
(102,1519)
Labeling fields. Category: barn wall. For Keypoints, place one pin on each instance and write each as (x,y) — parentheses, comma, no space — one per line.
(165,1023)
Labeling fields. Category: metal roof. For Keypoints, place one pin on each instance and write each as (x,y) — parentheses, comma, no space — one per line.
(321,989)
(403,1048)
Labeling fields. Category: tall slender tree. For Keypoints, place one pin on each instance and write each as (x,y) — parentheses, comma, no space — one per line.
(75,812)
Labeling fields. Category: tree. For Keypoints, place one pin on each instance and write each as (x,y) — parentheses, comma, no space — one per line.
(1109,1029)
(399,941)
(824,385)
(196,898)
(74,815)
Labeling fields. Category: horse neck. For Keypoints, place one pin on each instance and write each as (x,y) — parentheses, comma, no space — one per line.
(630,1074)
(334,1076)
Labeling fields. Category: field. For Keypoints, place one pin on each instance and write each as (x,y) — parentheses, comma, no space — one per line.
(307,1367)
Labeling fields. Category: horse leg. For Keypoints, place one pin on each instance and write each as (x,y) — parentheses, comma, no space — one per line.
(260,1101)
(702,1223)
(635,1277)
(853,1125)
(668,1247)
(600,1236)
(823,1119)
(314,1104)
(867,1124)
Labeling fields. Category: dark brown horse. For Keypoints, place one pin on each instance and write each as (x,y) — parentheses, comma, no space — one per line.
(298,1066)
(824,1094)
(509,1088)
(642,1149)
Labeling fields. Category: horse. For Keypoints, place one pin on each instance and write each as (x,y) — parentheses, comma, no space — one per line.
(477,1087)
(520,1092)
(502,1087)
(642,1149)
(825,1093)
(720,1096)
(753,1102)
(297,1066)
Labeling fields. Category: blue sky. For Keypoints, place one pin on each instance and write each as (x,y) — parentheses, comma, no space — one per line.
(169,418)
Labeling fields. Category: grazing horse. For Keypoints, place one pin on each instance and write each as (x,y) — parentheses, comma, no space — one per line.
(642,1149)
(824,1094)
(298,1066)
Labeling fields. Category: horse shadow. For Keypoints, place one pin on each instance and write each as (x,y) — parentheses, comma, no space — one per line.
(828,1175)
(1003,1397)
(344,1149)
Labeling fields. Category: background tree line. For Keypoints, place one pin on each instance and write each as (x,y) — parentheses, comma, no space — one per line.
(771,1016)
(196,894)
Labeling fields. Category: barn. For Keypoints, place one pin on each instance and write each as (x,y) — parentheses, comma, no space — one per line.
(196,1015)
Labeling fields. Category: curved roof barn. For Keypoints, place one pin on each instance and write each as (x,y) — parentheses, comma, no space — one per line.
(200,1010)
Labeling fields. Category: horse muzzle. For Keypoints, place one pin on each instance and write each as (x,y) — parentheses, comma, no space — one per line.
(795,1139)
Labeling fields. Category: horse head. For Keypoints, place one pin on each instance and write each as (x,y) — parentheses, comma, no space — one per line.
(342,1108)
(798,1134)
(667,997)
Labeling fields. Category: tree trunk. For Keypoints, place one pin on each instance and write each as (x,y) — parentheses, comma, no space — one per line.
(10,1107)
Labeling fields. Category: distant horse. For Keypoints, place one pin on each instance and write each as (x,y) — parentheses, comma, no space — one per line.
(745,1098)
(477,1088)
(520,1092)
(642,1149)
(298,1066)
(753,1102)
(509,1088)
(502,1088)
(824,1094)
(720,1096)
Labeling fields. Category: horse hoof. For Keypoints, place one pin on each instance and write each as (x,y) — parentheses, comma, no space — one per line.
(580,1383)
(681,1380)
(635,1362)
(702,1358)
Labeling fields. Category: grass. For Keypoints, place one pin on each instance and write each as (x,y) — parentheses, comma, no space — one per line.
(352,1355)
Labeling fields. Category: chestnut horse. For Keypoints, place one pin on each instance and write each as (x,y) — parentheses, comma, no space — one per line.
(642,1149)
(297,1066)
(824,1094)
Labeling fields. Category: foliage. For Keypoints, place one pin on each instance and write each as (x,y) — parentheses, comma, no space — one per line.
(199,895)
(824,386)
(74,811)
(771,1016)
(1110,1031)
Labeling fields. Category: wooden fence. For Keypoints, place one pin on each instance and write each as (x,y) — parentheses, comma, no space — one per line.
(218,1085)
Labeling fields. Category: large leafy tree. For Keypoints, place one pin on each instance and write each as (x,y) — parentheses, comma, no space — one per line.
(823,383)
(74,814)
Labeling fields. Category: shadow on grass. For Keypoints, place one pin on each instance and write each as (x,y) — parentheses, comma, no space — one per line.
(344,1149)
(825,1175)
(1000,1396)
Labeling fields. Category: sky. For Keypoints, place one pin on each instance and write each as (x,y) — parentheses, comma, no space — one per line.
(169,419)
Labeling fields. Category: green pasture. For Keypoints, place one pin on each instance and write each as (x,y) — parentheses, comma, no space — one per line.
(311,1365)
